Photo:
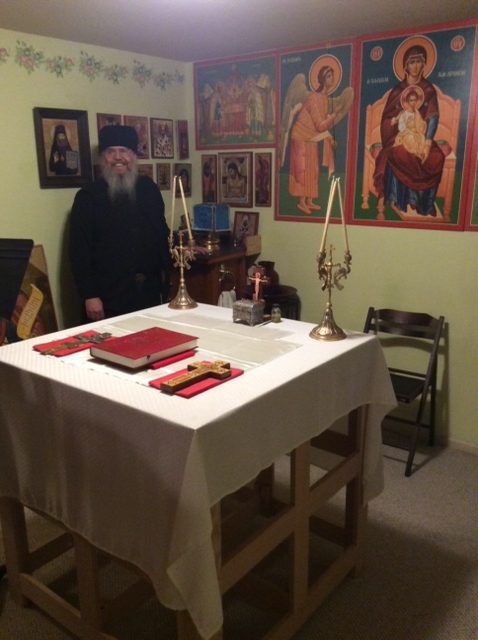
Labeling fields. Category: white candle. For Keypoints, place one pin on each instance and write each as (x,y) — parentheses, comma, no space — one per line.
(172,209)
(186,214)
(327,217)
(346,240)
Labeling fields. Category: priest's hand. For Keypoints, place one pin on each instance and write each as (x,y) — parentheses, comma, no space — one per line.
(94,309)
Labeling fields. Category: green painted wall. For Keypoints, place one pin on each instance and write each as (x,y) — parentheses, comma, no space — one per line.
(41,214)
(432,271)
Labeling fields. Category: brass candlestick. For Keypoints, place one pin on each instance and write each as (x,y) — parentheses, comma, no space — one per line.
(328,329)
(182,256)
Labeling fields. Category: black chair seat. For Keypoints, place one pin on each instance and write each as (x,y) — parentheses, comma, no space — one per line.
(406,389)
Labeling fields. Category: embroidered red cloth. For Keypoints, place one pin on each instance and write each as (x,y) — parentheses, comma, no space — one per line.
(180,356)
(198,387)
(45,346)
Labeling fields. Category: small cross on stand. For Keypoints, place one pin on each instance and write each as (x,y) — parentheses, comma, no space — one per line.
(257,279)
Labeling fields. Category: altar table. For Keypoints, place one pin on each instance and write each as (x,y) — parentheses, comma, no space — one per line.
(135,472)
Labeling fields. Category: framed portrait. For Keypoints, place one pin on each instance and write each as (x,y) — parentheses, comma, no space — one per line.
(209,178)
(145,170)
(262,179)
(246,223)
(163,176)
(235,102)
(183,170)
(413,152)
(140,124)
(235,178)
(63,147)
(183,139)
(162,138)
(106,119)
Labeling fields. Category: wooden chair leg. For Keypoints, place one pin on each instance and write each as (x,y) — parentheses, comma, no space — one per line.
(411,453)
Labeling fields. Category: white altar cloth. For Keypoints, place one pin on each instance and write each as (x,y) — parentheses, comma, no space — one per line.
(135,471)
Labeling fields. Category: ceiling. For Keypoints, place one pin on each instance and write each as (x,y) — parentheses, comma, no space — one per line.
(191,30)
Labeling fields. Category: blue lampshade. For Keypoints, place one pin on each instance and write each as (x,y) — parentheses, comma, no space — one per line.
(211,217)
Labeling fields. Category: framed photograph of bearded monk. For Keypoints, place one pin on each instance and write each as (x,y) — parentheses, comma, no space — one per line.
(63,147)
(415,128)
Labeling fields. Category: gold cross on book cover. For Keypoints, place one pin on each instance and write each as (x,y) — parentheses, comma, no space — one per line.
(197,371)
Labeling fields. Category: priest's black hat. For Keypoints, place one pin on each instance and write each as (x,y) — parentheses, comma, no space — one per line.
(117,135)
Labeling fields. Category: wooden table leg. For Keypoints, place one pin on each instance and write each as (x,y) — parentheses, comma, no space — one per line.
(355,510)
(299,564)
(88,583)
(15,542)
(185,627)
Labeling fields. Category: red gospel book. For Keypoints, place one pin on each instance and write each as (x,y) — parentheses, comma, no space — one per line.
(143,347)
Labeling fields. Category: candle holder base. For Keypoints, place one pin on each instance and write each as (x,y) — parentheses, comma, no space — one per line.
(182,300)
(328,329)
(212,242)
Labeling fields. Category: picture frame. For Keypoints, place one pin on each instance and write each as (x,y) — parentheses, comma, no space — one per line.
(63,147)
(183,139)
(448,91)
(163,176)
(140,124)
(145,169)
(234,102)
(35,285)
(262,179)
(319,76)
(209,177)
(162,138)
(235,178)
(184,171)
(106,119)
(471,219)
(246,224)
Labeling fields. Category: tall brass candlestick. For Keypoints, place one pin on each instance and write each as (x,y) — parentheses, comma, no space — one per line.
(328,328)
(185,209)
(182,255)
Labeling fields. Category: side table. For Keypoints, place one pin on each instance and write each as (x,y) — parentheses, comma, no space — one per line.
(212,273)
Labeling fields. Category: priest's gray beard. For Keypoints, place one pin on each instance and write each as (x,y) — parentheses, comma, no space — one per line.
(120,185)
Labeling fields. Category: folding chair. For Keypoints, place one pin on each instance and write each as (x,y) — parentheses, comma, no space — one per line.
(415,330)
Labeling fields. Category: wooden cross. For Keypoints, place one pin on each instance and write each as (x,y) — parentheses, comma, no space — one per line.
(197,371)
(77,341)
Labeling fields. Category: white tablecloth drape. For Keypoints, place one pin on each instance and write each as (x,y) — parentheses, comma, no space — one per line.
(136,471)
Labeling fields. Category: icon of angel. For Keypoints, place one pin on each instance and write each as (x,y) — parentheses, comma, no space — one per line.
(309,116)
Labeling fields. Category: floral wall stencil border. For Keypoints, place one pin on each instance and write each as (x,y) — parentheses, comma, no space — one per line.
(31,59)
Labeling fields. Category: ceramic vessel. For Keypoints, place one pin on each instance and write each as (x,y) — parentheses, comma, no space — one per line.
(270,273)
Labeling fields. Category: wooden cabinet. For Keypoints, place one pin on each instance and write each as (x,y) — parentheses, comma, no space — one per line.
(210,274)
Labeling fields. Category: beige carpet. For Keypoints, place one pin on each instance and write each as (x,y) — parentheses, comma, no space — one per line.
(420,581)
